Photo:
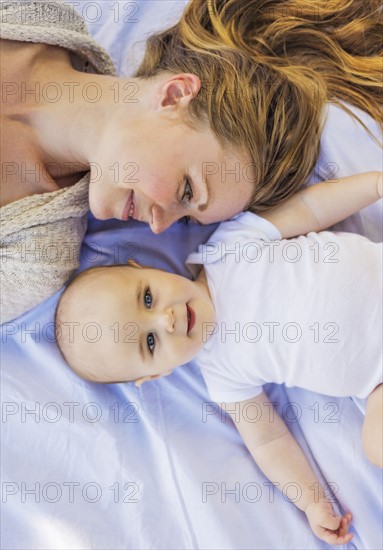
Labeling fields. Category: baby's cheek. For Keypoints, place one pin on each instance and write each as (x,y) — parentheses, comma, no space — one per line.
(178,354)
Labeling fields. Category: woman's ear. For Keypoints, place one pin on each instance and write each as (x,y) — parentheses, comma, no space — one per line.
(177,91)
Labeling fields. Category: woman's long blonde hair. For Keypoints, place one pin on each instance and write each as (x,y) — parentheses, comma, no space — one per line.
(267,67)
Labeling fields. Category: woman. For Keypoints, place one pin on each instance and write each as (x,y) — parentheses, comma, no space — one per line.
(225,114)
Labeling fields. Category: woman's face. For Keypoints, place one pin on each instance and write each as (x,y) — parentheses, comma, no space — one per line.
(159,170)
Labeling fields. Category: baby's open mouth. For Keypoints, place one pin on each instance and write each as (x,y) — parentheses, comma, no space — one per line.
(190,318)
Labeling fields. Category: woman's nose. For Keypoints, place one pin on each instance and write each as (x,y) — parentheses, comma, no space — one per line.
(161,219)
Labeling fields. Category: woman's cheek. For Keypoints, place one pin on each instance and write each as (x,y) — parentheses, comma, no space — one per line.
(160,190)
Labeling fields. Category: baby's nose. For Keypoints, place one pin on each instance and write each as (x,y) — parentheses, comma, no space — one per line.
(168,319)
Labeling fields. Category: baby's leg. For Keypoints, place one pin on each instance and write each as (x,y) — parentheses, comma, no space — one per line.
(372,433)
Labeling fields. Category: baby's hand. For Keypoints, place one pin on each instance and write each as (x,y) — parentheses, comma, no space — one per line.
(326,525)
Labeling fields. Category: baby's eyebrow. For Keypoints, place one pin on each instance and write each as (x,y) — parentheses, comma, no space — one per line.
(141,349)
(138,293)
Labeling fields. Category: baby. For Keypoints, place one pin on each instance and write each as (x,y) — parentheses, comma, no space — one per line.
(305,312)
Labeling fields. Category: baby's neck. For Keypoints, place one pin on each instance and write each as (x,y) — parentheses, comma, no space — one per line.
(201,277)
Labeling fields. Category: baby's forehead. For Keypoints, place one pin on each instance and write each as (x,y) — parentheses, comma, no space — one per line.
(109,275)
(93,290)
(112,282)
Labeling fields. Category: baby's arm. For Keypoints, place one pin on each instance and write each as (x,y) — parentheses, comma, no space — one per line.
(324,204)
(282,460)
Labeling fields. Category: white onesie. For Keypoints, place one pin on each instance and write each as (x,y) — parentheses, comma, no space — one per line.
(305,312)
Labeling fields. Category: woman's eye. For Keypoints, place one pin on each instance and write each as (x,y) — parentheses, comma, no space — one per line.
(187,220)
(188,191)
(151,342)
(148,298)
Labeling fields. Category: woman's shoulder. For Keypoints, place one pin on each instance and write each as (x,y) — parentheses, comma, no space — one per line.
(56,23)
(45,208)
(44,13)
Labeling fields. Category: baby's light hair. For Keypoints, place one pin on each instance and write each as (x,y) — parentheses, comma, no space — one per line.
(68,310)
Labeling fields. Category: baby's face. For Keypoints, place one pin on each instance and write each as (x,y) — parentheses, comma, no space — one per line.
(149,322)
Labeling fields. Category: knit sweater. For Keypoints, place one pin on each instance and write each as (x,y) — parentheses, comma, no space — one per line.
(41,235)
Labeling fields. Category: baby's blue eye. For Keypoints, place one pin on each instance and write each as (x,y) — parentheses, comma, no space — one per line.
(150,340)
(148,298)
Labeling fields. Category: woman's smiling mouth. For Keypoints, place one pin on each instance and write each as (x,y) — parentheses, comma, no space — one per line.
(129,210)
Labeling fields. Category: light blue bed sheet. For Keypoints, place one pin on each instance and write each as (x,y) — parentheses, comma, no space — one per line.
(116,467)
